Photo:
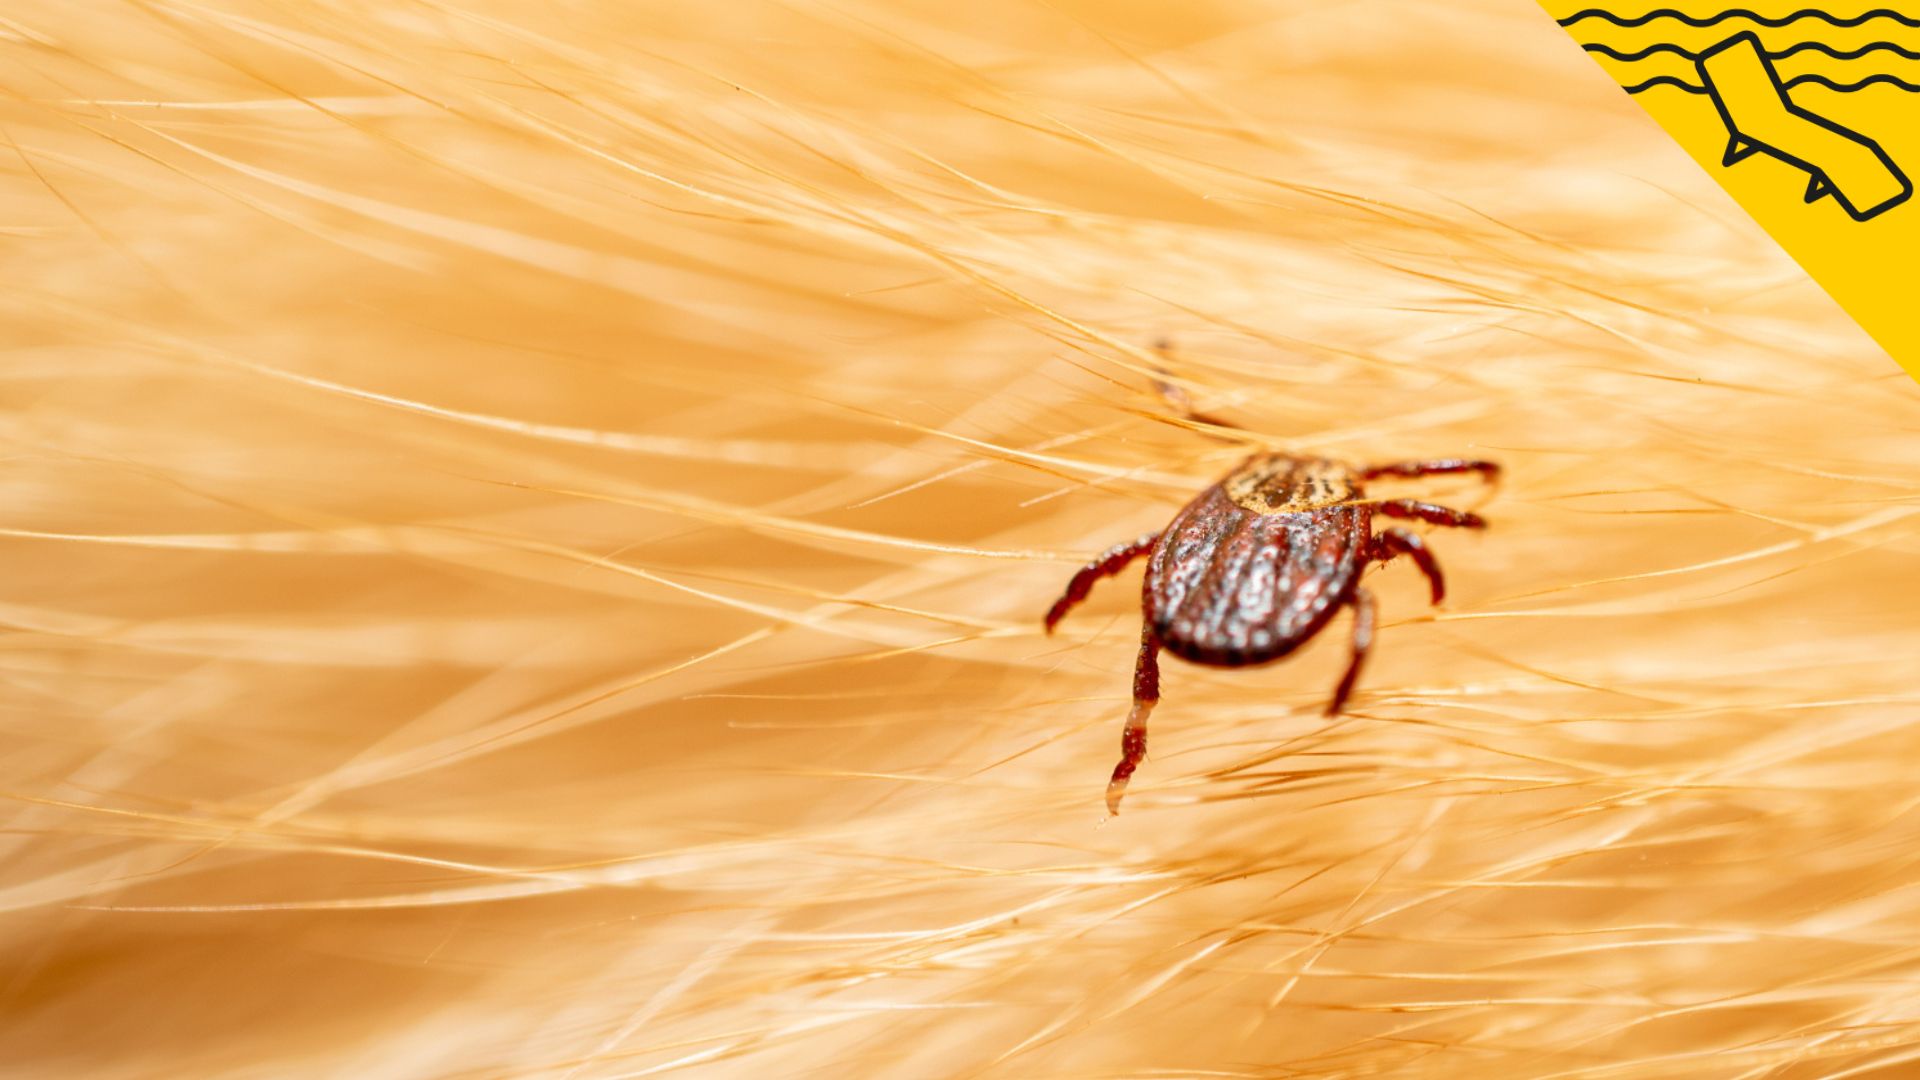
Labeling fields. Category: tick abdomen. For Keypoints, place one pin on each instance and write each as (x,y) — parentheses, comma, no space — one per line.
(1233,584)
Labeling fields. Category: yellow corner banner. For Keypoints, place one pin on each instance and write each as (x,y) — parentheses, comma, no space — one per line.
(1809,117)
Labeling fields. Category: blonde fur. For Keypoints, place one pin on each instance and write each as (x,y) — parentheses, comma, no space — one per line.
(526,528)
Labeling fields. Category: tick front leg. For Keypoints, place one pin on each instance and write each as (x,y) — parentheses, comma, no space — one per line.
(1429,513)
(1109,563)
(1362,641)
(1133,740)
(1488,470)
(1178,397)
(1394,542)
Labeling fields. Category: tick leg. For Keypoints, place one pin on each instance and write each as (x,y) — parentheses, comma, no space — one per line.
(1394,542)
(1429,513)
(1109,563)
(1133,740)
(1362,641)
(1178,397)
(1488,470)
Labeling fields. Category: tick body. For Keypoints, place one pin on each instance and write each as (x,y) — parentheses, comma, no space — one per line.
(1258,564)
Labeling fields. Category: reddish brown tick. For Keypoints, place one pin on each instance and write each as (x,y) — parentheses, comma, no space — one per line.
(1258,564)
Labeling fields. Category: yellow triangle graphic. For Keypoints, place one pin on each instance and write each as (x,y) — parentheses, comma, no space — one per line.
(1809,115)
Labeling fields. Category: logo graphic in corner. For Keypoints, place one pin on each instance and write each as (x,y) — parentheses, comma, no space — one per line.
(1760,117)
(1809,117)
(1757,107)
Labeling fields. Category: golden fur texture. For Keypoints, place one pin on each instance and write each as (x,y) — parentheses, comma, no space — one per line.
(526,528)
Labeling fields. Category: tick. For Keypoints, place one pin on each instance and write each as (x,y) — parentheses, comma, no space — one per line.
(1258,564)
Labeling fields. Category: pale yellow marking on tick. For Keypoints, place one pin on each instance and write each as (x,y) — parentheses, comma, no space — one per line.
(1277,484)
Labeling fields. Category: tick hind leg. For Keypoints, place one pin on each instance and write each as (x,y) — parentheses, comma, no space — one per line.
(1393,542)
(1416,510)
(1362,641)
(1133,739)
(1109,563)
(1488,470)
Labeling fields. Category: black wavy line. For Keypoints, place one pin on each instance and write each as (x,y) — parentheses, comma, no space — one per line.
(1643,53)
(1849,87)
(1878,46)
(1804,46)
(1666,80)
(1845,88)
(1738,13)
